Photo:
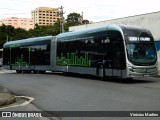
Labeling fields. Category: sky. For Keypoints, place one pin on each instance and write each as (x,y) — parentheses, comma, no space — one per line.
(93,10)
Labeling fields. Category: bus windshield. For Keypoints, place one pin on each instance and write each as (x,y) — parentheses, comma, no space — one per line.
(141,53)
(140,46)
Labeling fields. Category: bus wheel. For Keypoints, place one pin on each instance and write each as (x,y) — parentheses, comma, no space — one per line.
(28,71)
(42,72)
(35,71)
(19,71)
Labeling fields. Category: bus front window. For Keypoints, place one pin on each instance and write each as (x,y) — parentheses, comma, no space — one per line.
(141,53)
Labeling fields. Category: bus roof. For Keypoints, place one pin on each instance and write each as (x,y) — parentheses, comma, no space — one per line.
(86,31)
(28,40)
(117,27)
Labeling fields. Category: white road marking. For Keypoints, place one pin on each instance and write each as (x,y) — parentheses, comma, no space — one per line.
(30,99)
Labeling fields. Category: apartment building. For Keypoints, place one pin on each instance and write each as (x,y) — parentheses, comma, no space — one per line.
(24,23)
(45,15)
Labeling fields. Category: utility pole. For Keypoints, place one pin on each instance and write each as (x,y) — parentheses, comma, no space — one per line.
(61,20)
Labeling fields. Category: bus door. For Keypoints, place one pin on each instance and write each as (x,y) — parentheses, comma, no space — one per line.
(117,53)
(117,58)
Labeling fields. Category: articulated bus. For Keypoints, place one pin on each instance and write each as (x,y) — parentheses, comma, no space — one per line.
(113,50)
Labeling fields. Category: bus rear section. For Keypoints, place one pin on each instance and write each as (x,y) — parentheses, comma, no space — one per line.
(32,54)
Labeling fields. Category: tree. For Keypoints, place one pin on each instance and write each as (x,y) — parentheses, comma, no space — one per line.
(20,33)
(85,22)
(41,30)
(56,28)
(74,19)
(7,33)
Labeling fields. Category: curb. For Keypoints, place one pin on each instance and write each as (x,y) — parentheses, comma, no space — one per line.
(6,98)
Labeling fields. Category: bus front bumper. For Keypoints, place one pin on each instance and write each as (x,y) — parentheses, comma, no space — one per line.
(142,72)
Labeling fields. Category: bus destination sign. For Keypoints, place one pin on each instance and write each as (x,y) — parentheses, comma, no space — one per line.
(137,39)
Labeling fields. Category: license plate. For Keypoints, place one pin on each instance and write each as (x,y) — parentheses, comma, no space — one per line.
(146,75)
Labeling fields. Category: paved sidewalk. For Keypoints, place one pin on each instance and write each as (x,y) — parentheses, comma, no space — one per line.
(6,97)
(6,71)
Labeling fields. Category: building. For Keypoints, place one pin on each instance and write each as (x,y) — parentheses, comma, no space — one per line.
(45,15)
(24,23)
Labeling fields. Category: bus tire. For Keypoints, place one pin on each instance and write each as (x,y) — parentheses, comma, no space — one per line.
(41,72)
(35,71)
(19,71)
(28,71)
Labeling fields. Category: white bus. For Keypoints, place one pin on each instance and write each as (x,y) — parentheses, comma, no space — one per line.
(113,50)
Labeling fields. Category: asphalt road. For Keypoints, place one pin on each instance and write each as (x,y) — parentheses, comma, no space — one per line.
(57,92)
